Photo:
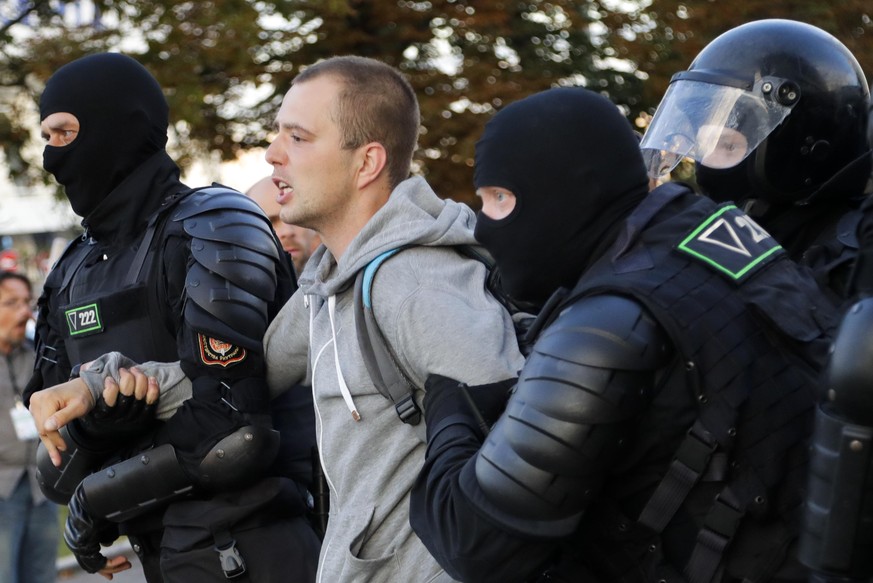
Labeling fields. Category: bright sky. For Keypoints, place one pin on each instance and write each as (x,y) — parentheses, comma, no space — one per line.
(239,174)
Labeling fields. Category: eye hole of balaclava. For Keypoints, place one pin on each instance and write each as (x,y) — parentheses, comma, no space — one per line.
(574,164)
(123,117)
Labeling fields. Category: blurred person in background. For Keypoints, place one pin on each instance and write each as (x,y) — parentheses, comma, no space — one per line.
(28,521)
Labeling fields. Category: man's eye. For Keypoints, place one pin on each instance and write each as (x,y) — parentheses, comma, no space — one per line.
(500,196)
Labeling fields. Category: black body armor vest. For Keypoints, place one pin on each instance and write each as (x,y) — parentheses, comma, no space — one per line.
(751,332)
(102,312)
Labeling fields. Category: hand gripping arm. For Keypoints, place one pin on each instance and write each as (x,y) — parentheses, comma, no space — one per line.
(487,512)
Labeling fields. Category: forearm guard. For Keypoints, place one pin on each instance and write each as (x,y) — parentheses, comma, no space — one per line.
(838,517)
(588,379)
(155,477)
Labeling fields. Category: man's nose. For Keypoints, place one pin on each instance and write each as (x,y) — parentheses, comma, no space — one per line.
(274,155)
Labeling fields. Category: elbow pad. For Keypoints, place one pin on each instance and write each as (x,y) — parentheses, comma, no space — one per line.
(589,377)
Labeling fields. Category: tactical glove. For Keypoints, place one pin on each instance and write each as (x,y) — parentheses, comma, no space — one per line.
(129,417)
(85,533)
(480,405)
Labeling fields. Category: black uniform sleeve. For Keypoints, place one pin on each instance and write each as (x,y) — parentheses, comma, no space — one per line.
(469,546)
(224,278)
(493,510)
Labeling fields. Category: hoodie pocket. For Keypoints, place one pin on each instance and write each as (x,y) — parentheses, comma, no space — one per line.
(359,564)
(370,551)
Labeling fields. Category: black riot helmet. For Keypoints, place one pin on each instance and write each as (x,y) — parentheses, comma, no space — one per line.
(782,102)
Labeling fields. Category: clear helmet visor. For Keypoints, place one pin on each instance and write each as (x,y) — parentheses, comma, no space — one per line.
(715,125)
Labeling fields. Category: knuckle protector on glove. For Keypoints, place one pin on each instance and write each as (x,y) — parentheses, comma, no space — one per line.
(129,416)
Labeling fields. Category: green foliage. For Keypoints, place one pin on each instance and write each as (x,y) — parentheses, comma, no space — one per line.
(226,64)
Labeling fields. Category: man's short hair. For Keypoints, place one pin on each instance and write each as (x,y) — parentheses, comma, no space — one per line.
(6,275)
(376,104)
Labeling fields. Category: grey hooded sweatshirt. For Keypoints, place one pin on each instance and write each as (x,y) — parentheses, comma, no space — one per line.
(433,308)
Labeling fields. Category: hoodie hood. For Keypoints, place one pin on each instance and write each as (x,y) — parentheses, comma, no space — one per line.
(413,215)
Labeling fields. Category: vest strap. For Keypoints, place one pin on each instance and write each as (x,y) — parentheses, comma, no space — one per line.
(144,246)
(718,530)
(686,469)
(232,563)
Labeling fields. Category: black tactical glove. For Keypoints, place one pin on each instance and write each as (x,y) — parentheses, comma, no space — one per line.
(85,533)
(481,405)
(129,417)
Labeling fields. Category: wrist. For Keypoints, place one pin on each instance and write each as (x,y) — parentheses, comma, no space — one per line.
(80,384)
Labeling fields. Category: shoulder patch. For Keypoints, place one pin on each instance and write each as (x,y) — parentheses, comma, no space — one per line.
(732,243)
(215,352)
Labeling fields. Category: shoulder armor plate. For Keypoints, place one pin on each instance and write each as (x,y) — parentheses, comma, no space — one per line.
(588,379)
(236,261)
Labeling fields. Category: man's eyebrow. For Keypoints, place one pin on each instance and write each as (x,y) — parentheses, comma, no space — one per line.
(290,126)
(63,125)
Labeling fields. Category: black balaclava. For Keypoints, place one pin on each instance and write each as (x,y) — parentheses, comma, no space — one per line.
(574,164)
(123,117)
(726,184)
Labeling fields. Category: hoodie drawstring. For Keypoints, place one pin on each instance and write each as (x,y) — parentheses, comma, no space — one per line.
(344,389)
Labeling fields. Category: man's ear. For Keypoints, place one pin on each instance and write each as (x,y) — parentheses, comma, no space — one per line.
(372,161)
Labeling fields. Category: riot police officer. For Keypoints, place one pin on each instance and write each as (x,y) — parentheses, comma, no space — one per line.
(659,428)
(162,273)
(838,524)
(774,114)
